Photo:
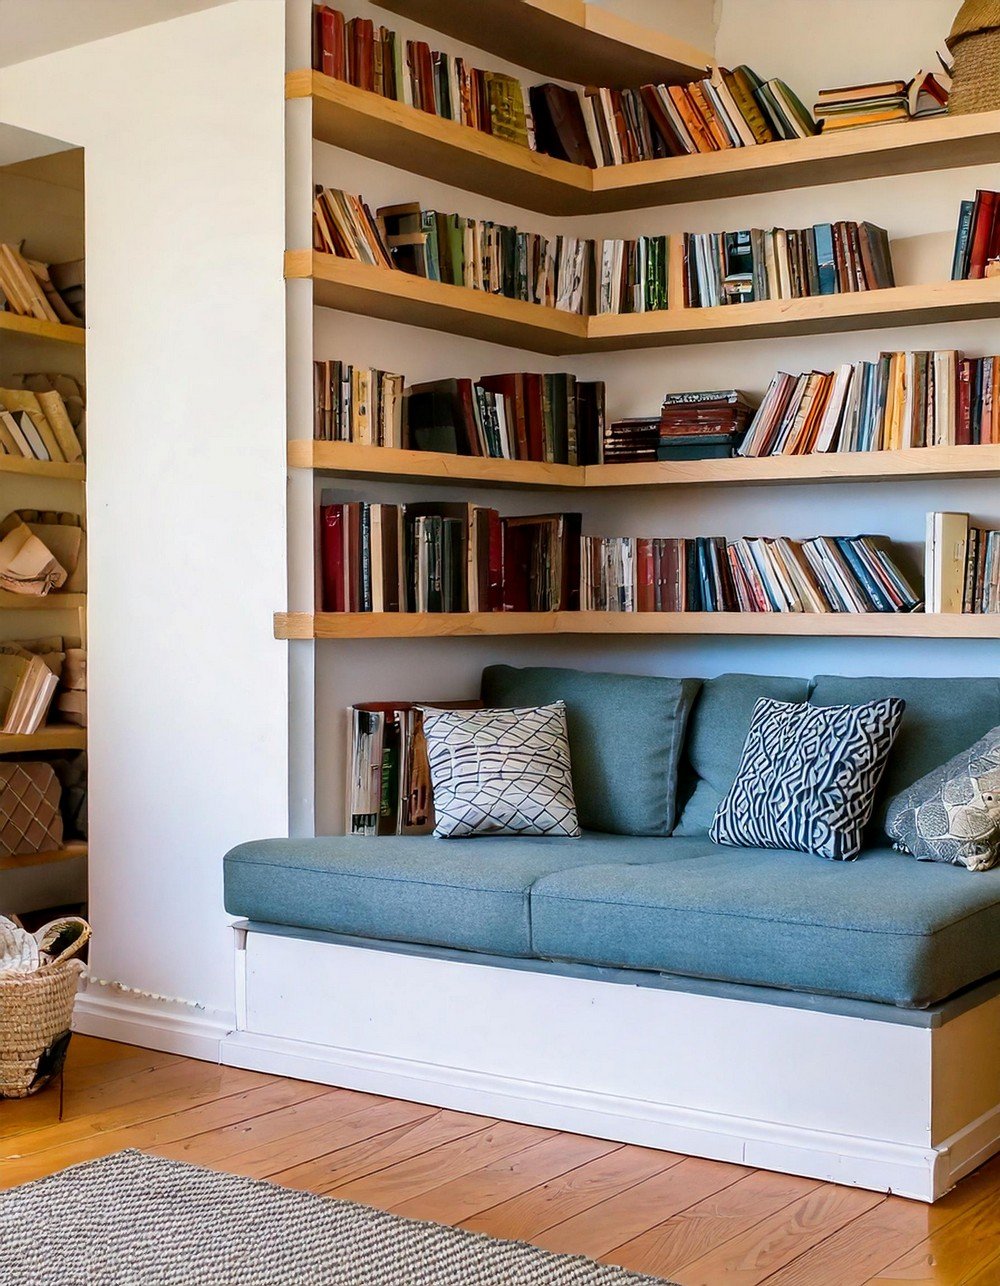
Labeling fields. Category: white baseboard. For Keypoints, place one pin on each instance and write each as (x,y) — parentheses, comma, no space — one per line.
(194,1033)
(869,1163)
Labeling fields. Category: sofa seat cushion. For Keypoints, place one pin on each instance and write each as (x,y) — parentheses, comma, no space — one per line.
(465,893)
(883,928)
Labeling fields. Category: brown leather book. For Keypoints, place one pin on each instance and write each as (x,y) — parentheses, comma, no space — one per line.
(689,115)
(559,126)
(661,122)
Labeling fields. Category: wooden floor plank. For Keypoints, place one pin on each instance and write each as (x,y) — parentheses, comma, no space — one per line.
(323,1173)
(388,1189)
(598,1231)
(471,1193)
(702,1227)
(962,1247)
(751,1257)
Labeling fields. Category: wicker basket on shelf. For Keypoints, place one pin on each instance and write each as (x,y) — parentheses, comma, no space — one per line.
(974,41)
(36,1014)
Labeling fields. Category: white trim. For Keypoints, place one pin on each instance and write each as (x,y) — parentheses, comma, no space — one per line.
(194,1033)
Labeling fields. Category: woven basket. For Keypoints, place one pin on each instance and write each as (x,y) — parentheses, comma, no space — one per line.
(36,1013)
(975,43)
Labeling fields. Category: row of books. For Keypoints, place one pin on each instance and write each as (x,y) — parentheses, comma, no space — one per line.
(43,419)
(47,292)
(445,557)
(357,404)
(905,399)
(977,241)
(780,263)
(962,565)
(37,676)
(409,71)
(883,102)
(755,574)
(460,557)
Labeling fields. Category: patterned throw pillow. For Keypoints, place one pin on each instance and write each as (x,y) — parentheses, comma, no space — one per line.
(501,772)
(808,776)
(953,814)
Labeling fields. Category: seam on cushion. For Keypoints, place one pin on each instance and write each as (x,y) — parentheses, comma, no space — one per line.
(762,919)
(380,879)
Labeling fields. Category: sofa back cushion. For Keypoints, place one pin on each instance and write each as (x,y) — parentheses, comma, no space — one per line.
(717,730)
(942,718)
(626,732)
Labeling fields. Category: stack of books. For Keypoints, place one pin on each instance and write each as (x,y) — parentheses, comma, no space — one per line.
(43,420)
(703,426)
(27,685)
(854,106)
(47,292)
(977,241)
(378,60)
(357,404)
(445,557)
(551,419)
(905,399)
(962,568)
(827,259)
(631,441)
(753,574)
(599,126)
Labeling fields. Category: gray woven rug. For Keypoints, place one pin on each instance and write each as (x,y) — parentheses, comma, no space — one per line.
(135,1220)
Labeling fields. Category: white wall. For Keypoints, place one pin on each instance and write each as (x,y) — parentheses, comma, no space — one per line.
(183,128)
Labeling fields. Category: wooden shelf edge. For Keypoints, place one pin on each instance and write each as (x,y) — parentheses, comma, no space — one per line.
(371,625)
(397,296)
(388,464)
(36,329)
(56,602)
(42,468)
(72,851)
(52,738)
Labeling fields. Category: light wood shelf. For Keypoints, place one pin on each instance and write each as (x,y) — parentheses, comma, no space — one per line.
(387,464)
(390,625)
(440,149)
(417,141)
(54,738)
(55,602)
(565,39)
(42,468)
(398,296)
(73,850)
(36,329)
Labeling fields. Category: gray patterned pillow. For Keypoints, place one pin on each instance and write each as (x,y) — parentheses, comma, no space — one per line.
(808,776)
(501,772)
(953,814)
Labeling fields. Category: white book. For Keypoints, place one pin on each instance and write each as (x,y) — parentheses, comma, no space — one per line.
(942,431)
(834,413)
(949,541)
(590,124)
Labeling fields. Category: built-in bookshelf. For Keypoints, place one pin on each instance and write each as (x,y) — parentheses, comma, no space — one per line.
(42,468)
(405,625)
(55,602)
(395,133)
(54,737)
(69,853)
(350,286)
(35,329)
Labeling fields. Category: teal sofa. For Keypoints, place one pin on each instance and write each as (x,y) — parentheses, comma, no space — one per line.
(665,901)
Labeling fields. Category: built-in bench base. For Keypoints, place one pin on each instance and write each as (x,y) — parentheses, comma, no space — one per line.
(890,1099)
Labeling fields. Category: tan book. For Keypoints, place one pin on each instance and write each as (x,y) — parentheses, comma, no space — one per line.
(8,441)
(62,310)
(12,432)
(948,538)
(28,285)
(19,301)
(55,412)
(20,399)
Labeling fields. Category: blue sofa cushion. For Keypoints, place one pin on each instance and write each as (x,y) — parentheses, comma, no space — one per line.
(717,730)
(464,893)
(883,928)
(626,733)
(942,718)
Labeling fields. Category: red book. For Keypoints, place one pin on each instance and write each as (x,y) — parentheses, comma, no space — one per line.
(329,43)
(982,233)
(496,561)
(963,418)
(332,557)
(645,580)
(361,52)
(352,556)
(464,390)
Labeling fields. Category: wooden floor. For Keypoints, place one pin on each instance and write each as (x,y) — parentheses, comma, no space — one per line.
(693,1221)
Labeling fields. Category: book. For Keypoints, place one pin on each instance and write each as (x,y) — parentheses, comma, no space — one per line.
(962,565)
(27,686)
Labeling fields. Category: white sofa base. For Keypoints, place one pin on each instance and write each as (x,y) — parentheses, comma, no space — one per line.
(892,1105)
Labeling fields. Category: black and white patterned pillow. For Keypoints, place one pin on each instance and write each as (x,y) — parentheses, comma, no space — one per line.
(501,772)
(808,776)
(953,814)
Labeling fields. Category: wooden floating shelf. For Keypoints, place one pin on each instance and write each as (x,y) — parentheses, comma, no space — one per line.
(42,468)
(397,296)
(23,860)
(55,738)
(36,329)
(396,625)
(387,464)
(417,141)
(56,602)
(567,39)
